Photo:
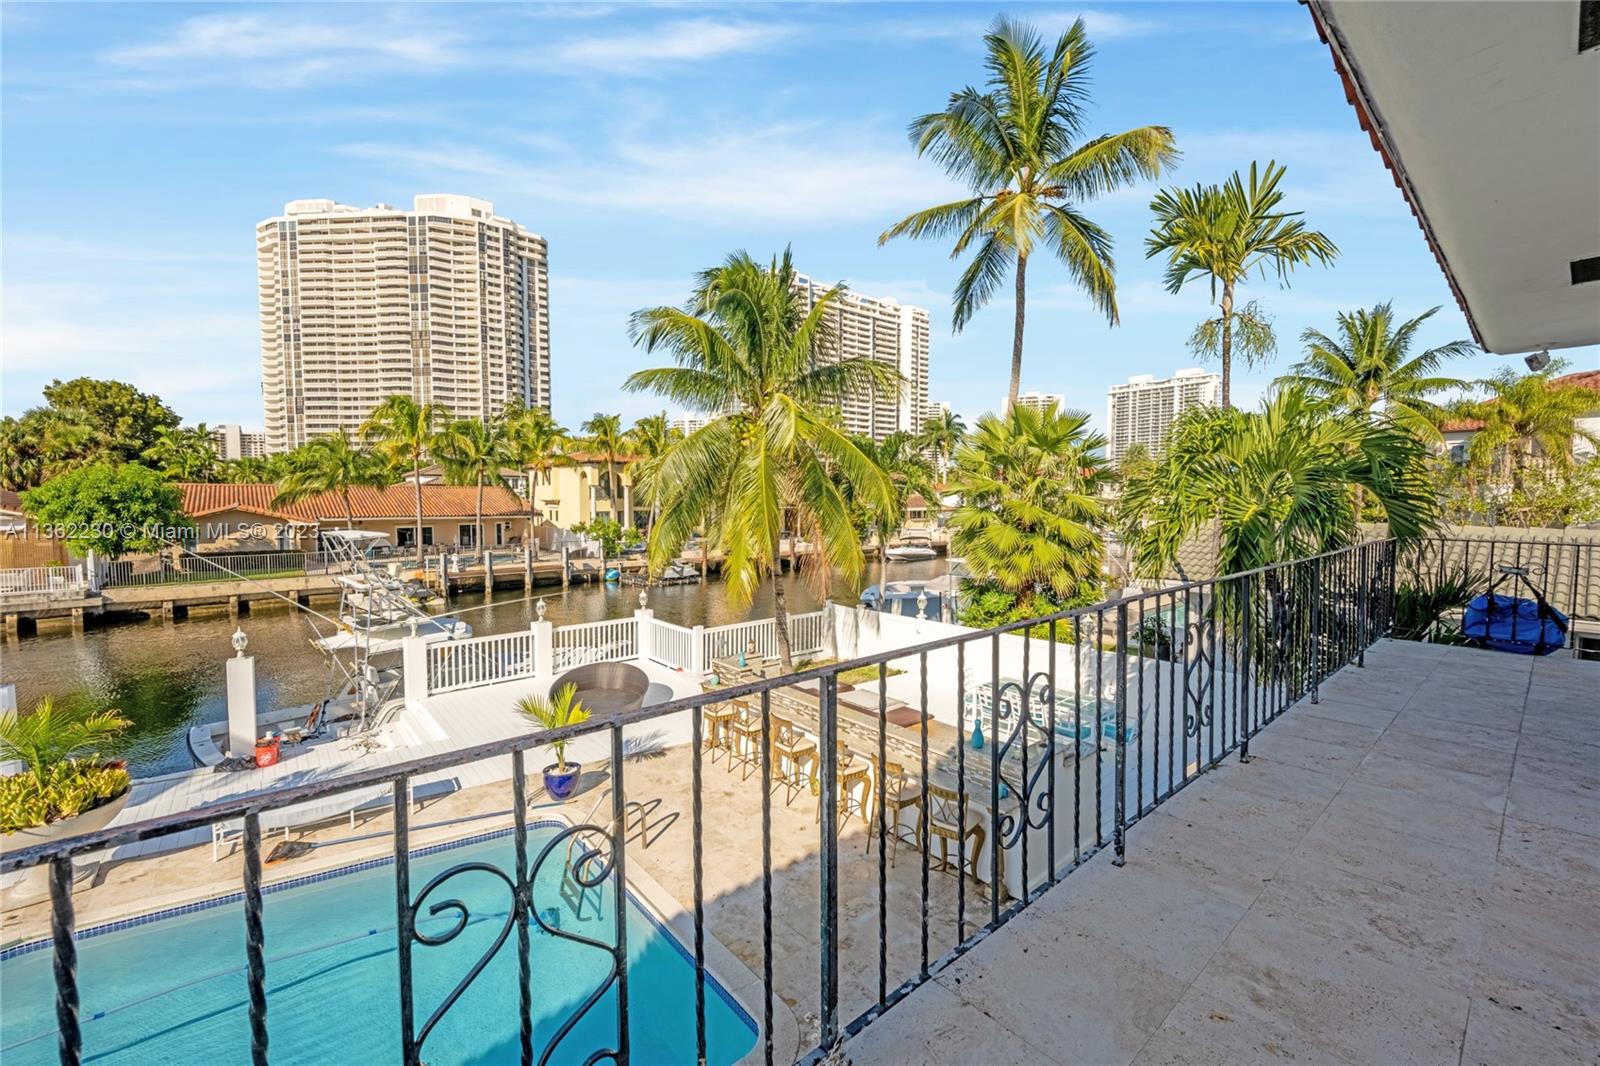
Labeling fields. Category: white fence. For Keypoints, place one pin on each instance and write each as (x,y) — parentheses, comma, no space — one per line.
(672,645)
(164,570)
(595,642)
(458,664)
(722,642)
(44,580)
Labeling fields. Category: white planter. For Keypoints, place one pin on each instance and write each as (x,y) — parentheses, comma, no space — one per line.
(33,884)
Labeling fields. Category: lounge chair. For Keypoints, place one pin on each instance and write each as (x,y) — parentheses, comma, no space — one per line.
(315,725)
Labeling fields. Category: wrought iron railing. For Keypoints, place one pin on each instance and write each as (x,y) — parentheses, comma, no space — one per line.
(189,568)
(1566,571)
(1096,716)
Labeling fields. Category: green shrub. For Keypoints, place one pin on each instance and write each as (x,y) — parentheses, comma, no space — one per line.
(66,790)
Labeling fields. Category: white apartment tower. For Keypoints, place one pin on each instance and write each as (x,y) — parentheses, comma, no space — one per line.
(447,303)
(1142,411)
(233,441)
(889,332)
(1042,401)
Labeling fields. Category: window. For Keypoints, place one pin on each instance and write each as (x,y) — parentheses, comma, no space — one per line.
(1458,454)
(406,536)
(466,535)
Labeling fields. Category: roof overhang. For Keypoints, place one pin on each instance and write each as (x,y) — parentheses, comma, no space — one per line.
(1489,116)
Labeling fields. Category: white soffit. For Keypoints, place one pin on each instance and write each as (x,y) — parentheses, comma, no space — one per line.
(1490,117)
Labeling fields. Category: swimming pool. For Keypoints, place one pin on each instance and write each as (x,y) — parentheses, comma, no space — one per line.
(171,988)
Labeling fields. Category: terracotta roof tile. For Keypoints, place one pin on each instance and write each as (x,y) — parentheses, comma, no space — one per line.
(393,501)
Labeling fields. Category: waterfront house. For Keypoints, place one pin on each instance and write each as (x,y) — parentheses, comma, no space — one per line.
(1458,432)
(582,491)
(236,517)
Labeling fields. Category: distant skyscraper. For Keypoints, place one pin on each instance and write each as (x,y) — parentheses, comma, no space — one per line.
(1142,411)
(935,409)
(1041,401)
(687,424)
(888,332)
(236,442)
(447,303)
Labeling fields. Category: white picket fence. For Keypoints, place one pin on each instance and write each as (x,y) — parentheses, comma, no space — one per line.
(723,642)
(672,645)
(459,664)
(595,642)
(46,580)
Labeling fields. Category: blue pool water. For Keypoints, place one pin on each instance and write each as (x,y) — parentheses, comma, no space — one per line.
(173,990)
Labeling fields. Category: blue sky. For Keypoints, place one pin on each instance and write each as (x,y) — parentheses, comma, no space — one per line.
(143,142)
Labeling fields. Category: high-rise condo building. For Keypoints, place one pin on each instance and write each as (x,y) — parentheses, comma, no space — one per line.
(889,332)
(447,303)
(1142,411)
(1041,401)
(233,441)
(687,424)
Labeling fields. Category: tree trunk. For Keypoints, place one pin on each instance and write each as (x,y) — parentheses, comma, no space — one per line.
(1016,336)
(780,618)
(883,568)
(1227,344)
(416,477)
(349,517)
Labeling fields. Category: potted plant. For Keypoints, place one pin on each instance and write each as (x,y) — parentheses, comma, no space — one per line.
(63,789)
(559,710)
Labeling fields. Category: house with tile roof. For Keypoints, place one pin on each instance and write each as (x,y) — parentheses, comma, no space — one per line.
(1459,431)
(239,517)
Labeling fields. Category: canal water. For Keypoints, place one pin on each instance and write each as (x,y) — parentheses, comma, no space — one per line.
(168,676)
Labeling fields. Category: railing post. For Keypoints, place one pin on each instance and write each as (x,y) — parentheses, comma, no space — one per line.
(697,653)
(644,635)
(1247,666)
(1120,833)
(1361,605)
(544,646)
(828,758)
(1316,628)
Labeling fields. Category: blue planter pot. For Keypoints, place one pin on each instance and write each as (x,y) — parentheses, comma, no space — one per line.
(561,786)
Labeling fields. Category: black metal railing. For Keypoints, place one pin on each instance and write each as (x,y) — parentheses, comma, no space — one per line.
(1566,572)
(1163,685)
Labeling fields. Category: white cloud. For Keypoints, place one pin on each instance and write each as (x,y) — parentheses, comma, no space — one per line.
(794,172)
(690,40)
(278,52)
(1100,25)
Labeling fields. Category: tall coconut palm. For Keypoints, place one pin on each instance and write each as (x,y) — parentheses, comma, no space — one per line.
(747,347)
(1018,148)
(1223,233)
(1370,367)
(941,435)
(603,434)
(330,464)
(1031,506)
(474,452)
(538,444)
(1528,419)
(650,437)
(910,473)
(403,431)
(1278,482)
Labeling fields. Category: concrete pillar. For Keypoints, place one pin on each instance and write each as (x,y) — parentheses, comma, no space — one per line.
(566,566)
(488,570)
(233,607)
(13,626)
(77,619)
(414,669)
(91,570)
(242,724)
(527,567)
(544,646)
(169,610)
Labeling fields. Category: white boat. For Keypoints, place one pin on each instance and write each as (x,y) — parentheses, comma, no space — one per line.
(911,550)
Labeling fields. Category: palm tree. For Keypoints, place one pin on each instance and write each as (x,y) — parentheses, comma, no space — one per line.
(474,451)
(1528,418)
(1370,365)
(1223,233)
(1017,147)
(747,347)
(941,435)
(403,431)
(183,454)
(1278,482)
(538,444)
(650,438)
(604,435)
(330,464)
(910,472)
(1031,507)
(49,737)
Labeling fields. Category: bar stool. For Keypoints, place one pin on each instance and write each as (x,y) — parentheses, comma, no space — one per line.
(853,773)
(716,720)
(791,751)
(744,740)
(898,791)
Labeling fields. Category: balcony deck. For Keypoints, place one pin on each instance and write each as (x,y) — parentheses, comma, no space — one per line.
(1407,871)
